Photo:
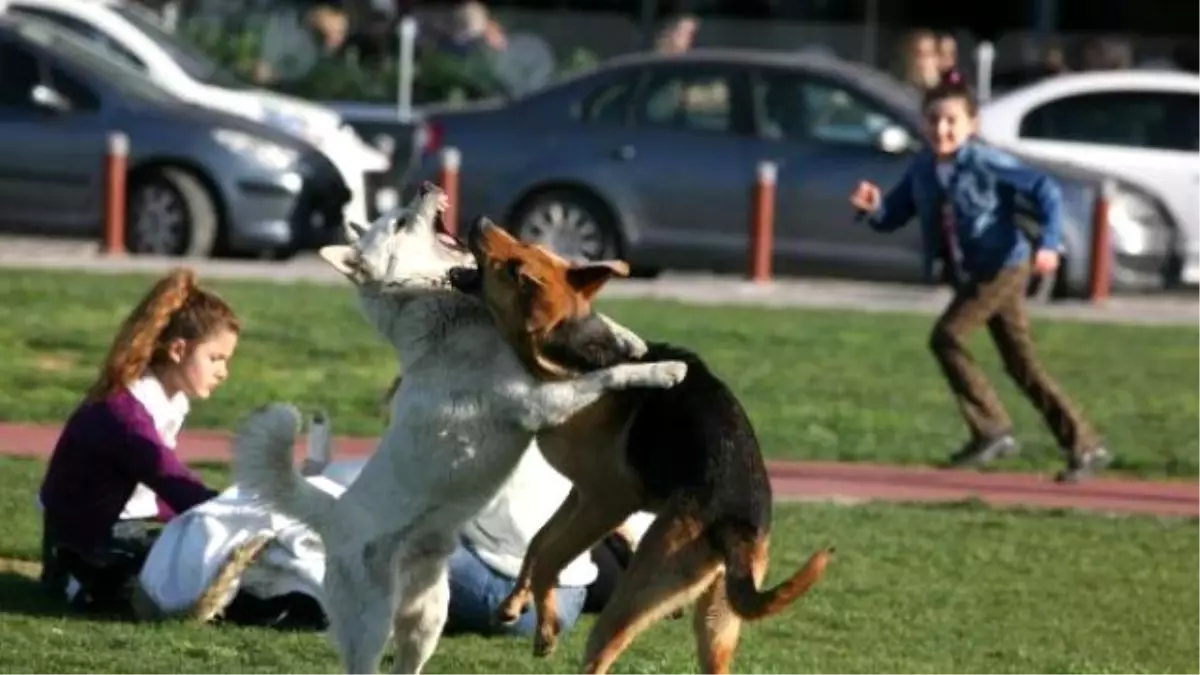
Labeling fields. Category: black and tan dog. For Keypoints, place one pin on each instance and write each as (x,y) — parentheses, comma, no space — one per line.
(688,454)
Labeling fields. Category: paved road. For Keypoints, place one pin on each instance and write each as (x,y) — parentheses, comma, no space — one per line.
(800,481)
(1182,308)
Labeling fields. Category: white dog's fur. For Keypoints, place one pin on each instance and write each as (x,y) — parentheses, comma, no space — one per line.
(465,412)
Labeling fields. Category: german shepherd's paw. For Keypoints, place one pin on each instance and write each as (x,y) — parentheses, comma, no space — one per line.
(546,640)
(512,608)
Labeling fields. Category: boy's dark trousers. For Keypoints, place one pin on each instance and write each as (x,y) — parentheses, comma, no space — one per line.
(998,302)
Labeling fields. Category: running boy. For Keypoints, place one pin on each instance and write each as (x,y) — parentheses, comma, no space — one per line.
(966,195)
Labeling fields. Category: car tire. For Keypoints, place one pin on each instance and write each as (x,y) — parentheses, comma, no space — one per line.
(572,223)
(170,213)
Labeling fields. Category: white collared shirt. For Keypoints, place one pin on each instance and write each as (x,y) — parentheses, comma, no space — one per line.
(168,414)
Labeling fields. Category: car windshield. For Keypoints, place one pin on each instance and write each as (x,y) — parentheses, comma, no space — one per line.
(97,61)
(194,62)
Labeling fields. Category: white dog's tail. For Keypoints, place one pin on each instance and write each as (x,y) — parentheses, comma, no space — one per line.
(263,466)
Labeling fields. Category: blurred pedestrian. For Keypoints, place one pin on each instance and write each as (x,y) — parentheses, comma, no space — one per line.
(947,53)
(920,58)
(1105,53)
(678,35)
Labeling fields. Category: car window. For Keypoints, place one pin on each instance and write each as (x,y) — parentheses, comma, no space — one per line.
(83,29)
(198,65)
(795,107)
(18,76)
(609,103)
(81,97)
(1139,119)
(692,100)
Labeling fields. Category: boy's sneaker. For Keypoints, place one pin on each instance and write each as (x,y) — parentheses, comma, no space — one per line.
(980,451)
(1084,465)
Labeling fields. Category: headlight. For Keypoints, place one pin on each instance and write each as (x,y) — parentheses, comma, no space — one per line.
(267,153)
(1136,222)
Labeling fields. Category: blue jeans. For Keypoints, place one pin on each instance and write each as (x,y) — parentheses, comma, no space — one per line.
(476,592)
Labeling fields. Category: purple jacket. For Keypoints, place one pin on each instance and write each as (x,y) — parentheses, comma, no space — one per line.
(104,451)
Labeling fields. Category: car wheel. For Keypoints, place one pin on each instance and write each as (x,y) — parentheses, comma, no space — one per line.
(170,213)
(571,223)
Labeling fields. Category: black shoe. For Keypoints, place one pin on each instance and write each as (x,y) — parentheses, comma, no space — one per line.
(983,450)
(1084,465)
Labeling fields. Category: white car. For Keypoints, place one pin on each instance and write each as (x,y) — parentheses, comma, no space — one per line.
(1139,126)
(132,33)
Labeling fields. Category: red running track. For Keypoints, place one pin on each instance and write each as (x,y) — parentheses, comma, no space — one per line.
(816,481)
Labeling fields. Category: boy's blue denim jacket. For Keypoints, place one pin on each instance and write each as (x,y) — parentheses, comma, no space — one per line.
(988,188)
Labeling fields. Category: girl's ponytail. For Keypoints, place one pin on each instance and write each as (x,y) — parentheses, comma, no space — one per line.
(136,341)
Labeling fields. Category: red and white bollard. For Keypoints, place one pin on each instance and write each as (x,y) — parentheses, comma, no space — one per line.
(116,168)
(1100,276)
(448,181)
(762,222)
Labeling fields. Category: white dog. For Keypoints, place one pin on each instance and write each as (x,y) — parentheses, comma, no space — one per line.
(463,415)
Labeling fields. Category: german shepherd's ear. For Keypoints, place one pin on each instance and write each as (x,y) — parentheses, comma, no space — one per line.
(588,278)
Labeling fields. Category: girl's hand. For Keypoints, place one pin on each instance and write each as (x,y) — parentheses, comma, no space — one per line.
(1046,261)
(866,197)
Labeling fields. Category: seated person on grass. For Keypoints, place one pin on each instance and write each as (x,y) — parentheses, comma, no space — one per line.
(114,470)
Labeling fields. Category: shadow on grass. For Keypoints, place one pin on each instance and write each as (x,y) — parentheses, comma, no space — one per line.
(22,594)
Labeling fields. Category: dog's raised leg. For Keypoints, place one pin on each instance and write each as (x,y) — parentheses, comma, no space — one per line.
(673,564)
(553,403)
(518,599)
(593,519)
(358,605)
(422,604)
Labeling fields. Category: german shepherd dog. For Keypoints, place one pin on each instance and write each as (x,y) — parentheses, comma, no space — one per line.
(686,453)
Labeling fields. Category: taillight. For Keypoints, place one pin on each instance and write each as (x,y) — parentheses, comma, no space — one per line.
(430,137)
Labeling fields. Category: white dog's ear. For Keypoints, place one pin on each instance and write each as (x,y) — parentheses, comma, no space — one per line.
(339,257)
(353,230)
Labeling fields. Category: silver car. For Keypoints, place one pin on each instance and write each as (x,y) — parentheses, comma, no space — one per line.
(653,158)
(199,181)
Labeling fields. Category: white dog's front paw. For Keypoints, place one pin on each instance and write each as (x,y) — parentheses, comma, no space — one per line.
(659,375)
(669,373)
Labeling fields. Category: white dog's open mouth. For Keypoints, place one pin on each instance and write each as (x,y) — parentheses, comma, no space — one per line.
(450,241)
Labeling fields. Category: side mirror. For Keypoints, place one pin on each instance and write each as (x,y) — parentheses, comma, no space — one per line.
(894,140)
(49,99)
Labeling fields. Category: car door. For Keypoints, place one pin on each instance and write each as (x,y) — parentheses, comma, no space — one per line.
(684,148)
(1150,138)
(51,158)
(825,137)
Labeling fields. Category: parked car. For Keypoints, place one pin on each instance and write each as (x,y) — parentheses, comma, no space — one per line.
(199,180)
(131,32)
(652,158)
(1140,125)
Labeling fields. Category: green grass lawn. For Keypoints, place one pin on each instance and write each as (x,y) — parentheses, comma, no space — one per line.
(818,384)
(953,589)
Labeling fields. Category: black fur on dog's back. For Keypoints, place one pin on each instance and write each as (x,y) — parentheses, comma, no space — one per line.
(696,438)
(693,445)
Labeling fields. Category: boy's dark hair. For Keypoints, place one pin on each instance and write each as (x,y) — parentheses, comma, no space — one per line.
(952,86)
